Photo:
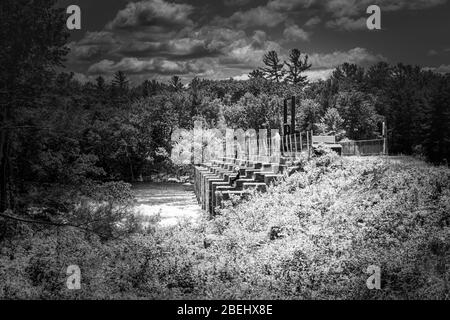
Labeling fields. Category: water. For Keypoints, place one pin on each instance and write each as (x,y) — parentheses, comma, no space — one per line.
(173,201)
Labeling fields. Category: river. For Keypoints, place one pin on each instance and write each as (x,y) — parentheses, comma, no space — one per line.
(173,201)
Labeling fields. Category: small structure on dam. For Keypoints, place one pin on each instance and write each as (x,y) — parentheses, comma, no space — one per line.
(220,179)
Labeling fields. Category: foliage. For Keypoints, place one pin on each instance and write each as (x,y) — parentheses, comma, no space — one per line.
(310,237)
(308,114)
(358,112)
(252,112)
(332,124)
(274,68)
(296,65)
(33,44)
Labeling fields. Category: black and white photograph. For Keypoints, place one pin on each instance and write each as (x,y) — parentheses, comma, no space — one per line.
(224,150)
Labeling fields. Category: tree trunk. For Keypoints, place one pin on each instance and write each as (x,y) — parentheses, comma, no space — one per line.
(4,172)
(4,150)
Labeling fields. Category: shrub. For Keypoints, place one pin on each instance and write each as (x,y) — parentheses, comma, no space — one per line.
(310,237)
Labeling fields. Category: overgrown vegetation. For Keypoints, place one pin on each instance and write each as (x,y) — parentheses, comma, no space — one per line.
(312,236)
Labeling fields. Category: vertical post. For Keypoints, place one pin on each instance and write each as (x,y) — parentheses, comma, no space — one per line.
(307,143)
(293,114)
(229,145)
(252,144)
(285,114)
(290,142)
(301,142)
(262,144)
(275,146)
(384,139)
(295,142)
(239,151)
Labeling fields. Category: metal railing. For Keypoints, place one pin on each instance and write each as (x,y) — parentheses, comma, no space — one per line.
(293,144)
(363,147)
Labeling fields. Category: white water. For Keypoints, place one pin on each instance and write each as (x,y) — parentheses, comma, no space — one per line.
(174,202)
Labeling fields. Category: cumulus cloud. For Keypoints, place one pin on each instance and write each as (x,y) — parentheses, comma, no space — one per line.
(346,14)
(256,17)
(316,75)
(82,53)
(138,48)
(232,3)
(188,47)
(150,13)
(244,55)
(313,21)
(83,78)
(210,51)
(97,38)
(295,33)
(152,65)
(351,8)
(433,52)
(241,77)
(165,37)
(347,24)
(287,5)
(92,46)
(360,56)
(442,69)
(259,39)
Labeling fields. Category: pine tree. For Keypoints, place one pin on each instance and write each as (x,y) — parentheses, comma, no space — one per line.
(100,83)
(274,70)
(146,88)
(120,81)
(154,87)
(175,83)
(297,64)
(348,76)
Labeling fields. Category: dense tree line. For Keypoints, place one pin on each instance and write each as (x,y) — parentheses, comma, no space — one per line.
(413,102)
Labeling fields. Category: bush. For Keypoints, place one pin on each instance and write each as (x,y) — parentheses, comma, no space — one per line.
(310,237)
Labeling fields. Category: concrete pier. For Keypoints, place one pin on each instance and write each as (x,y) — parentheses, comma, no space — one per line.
(213,181)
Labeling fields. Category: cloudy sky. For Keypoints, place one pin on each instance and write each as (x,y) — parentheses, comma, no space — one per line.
(156,39)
